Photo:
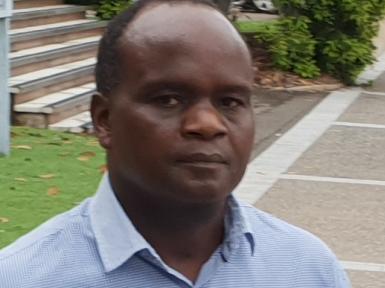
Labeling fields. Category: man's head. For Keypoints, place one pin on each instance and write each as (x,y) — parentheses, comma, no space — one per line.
(175,114)
(107,72)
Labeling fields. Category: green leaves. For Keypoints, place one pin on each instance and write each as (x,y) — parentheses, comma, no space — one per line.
(347,56)
(338,39)
(109,8)
(291,46)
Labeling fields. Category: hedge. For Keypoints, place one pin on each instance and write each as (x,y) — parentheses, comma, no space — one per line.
(342,31)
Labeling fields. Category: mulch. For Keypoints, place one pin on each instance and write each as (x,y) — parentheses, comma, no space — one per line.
(266,76)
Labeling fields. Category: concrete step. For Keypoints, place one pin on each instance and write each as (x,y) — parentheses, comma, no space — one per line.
(55,107)
(53,49)
(46,15)
(28,37)
(32,59)
(80,123)
(22,4)
(29,86)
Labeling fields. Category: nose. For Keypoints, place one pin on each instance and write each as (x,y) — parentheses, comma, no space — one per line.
(203,121)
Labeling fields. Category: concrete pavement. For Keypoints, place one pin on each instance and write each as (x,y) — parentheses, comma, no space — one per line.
(327,175)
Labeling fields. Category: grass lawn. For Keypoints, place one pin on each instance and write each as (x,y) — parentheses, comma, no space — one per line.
(47,173)
(253,27)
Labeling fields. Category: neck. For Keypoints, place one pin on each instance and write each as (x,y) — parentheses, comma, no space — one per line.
(165,218)
(185,235)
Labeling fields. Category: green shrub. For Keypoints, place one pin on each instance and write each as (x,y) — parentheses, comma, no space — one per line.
(291,45)
(82,2)
(343,30)
(345,57)
(109,8)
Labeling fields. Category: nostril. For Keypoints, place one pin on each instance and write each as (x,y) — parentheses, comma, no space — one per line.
(205,130)
(194,134)
(204,122)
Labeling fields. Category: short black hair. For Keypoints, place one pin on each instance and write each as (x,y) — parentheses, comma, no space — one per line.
(107,71)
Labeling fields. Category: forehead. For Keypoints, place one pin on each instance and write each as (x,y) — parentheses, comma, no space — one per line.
(179,26)
(171,40)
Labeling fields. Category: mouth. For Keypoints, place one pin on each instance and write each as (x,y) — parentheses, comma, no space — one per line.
(203,160)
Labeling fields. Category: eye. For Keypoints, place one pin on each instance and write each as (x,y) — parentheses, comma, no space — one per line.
(167,101)
(231,102)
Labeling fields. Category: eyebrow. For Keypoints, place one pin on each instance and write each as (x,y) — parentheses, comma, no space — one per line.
(155,85)
(169,84)
(246,89)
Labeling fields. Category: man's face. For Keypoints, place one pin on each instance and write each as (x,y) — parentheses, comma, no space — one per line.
(181,124)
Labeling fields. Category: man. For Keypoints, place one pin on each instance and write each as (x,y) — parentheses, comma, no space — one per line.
(173,112)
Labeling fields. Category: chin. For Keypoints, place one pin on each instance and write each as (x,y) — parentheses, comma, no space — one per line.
(203,192)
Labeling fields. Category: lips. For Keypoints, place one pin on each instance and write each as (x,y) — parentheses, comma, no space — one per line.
(203,159)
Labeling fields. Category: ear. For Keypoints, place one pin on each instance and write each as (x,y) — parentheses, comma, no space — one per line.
(100,113)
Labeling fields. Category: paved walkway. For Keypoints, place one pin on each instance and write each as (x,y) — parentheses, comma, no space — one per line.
(327,175)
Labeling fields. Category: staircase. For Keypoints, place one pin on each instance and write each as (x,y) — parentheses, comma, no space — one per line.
(52,58)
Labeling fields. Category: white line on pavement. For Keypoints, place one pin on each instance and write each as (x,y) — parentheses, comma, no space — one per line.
(264,170)
(373,93)
(331,179)
(360,125)
(362,266)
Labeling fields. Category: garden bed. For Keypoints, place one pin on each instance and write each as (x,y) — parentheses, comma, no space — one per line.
(266,76)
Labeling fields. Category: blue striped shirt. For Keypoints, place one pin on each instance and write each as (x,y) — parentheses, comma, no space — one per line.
(96,245)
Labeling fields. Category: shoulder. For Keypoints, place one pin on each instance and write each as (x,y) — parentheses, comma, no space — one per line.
(267,227)
(285,245)
(49,232)
(46,249)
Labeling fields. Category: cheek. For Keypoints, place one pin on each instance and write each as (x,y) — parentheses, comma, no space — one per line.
(245,132)
(141,133)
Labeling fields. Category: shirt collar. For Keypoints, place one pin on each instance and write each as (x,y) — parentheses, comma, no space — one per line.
(118,240)
(237,225)
(116,237)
